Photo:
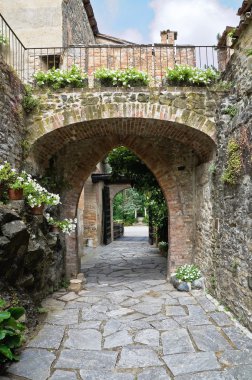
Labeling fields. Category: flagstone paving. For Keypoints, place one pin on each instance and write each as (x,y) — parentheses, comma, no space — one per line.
(130,324)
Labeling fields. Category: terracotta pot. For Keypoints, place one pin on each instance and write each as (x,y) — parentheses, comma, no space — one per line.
(55,229)
(37,210)
(15,194)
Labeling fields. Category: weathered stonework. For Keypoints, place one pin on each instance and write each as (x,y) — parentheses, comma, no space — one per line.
(31,258)
(224,212)
(176,126)
(76,28)
(12,123)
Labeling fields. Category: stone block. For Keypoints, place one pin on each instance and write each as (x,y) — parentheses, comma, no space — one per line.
(76,285)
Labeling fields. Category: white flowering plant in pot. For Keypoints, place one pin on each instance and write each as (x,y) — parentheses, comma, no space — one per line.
(188,273)
(66,225)
(187,277)
(36,195)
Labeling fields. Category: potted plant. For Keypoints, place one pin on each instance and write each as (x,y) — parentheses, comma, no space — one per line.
(185,75)
(121,78)
(58,78)
(163,247)
(66,225)
(10,179)
(37,196)
(186,276)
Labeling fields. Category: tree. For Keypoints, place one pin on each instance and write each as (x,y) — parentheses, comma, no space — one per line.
(124,162)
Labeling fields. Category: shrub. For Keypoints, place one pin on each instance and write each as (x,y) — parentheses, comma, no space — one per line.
(122,78)
(29,102)
(57,78)
(10,332)
(163,246)
(234,163)
(188,273)
(192,76)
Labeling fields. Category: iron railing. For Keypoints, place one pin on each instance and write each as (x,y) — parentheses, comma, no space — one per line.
(12,49)
(153,59)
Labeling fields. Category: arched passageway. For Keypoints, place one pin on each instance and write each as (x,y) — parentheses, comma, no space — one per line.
(170,150)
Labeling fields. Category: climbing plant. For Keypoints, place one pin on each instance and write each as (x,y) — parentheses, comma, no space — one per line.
(233,169)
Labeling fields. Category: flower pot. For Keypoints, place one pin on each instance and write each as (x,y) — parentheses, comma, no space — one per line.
(15,194)
(37,210)
(55,229)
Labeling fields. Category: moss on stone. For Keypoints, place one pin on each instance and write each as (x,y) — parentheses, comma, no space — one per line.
(234,163)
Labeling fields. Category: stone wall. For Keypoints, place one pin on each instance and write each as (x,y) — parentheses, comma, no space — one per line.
(225,212)
(76,27)
(12,124)
(31,258)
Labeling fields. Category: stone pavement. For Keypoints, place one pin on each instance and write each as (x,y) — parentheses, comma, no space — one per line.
(130,324)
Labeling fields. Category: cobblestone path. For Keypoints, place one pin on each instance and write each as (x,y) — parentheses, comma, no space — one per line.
(130,324)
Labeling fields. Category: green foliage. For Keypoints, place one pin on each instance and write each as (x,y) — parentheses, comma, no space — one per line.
(25,148)
(249,52)
(234,163)
(163,247)
(7,173)
(188,273)
(10,332)
(222,85)
(122,78)
(3,40)
(213,281)
(191,76)
(123,162)
(232,33)
(29,102)
(57,78)
(125,203)
(231,111)
(212,168)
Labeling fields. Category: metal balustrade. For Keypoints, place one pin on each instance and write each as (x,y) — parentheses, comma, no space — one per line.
(152,59)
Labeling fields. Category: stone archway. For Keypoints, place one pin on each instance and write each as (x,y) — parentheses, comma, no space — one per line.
(172,162)
(171,132)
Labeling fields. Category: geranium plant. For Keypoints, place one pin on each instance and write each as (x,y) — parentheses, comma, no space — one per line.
(122,78)
(57,78)
(191,76)
(188,273)
(66,225)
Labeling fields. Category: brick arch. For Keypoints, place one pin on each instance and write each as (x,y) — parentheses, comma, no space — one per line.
(198,114)
(49,143)
(163,156)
